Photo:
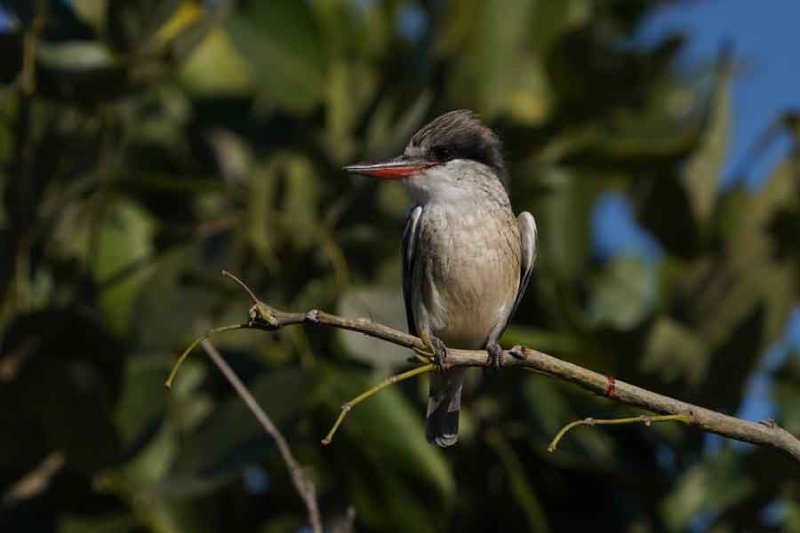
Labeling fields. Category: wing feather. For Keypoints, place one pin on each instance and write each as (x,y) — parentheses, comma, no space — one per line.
(527,238)
(409,255)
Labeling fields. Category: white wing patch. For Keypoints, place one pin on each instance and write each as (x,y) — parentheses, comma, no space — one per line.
(527,238)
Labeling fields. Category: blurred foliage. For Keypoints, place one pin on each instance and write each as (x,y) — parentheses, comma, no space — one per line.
(146,146)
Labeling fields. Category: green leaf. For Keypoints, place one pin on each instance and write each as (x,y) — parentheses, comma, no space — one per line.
(350,88)
(380,304)
(92,12)
(115,238)
(706,488)
(562,217)
(753,255)
(232,438)
(143,398)
(623,294)
(301,201)
(521,486)
(552,410)
(280,41)
(124,242)
(674,352)
(704,168)
(496,70)
(216,68)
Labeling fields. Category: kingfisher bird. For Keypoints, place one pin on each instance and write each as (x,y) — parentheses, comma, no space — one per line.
(466,259)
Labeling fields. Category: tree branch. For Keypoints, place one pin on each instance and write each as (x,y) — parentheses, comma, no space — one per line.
(303,485)
(767,434)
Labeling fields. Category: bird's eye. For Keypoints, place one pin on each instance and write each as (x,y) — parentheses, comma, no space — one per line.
(442,153)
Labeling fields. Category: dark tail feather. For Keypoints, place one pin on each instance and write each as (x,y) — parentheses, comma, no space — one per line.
(444,404)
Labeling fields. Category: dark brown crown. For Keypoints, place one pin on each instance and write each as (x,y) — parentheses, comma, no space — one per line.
(460,135)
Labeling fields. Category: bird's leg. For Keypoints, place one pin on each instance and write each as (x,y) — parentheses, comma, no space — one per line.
(495,356)
(435,350)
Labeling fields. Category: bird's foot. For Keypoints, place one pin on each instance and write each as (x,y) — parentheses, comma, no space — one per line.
(435,351)
(495,357)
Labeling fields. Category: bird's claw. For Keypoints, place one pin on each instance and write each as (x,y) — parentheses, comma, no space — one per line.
(435,350)
(495,357)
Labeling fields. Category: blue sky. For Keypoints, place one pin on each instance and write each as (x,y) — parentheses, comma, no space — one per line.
(765,41)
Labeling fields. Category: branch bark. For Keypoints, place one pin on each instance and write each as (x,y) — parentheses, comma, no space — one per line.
(762,433)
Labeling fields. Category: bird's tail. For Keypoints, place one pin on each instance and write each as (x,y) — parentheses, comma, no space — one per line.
(444,404)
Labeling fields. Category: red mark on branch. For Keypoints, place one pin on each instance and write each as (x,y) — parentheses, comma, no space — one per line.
(611,391)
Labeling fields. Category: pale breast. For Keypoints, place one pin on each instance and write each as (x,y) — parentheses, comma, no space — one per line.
(467,272)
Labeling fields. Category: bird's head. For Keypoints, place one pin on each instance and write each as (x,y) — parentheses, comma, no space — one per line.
(446,158)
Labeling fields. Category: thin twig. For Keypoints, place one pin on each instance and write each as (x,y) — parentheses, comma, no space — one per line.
(304,486)
(391,380)
(645,419)
(243,285)
(187,351)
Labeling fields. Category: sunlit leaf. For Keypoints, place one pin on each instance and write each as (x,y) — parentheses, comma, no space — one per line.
(703,169)
(124,242)
(216,68)
(185,16)
(93,12)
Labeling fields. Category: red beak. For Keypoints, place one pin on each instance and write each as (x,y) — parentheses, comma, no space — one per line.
(397,168)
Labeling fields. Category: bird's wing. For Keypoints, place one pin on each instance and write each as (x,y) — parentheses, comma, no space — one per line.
(409,253)
(527,238)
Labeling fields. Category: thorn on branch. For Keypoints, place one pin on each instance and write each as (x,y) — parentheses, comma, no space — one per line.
(769,422)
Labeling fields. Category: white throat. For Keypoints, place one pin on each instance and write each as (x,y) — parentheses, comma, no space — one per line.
(456,181)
